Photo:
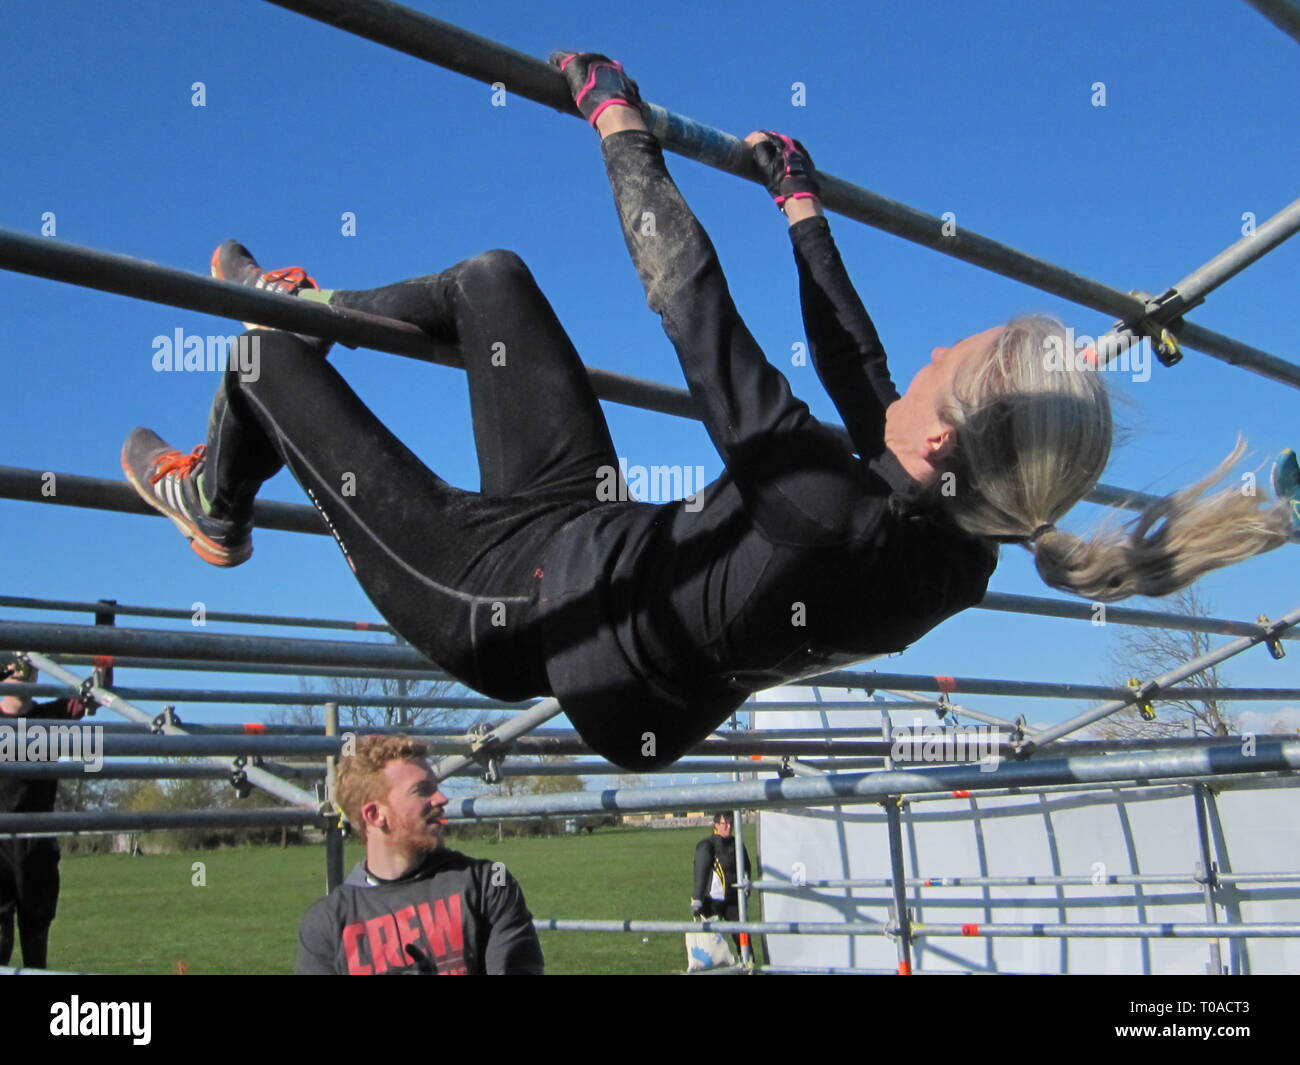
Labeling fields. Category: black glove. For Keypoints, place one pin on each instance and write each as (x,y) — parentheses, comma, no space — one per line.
(596,81)
(423,965)
(786,168)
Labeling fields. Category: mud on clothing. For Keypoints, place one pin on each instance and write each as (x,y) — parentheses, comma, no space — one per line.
(651,623)
(466,915)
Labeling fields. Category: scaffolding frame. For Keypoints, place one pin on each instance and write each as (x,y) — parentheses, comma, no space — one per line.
(1161,319)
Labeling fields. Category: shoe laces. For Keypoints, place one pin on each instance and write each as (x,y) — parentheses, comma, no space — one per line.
(174,462)
(288,280)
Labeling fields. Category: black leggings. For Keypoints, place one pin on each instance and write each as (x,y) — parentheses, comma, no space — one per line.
(455,572)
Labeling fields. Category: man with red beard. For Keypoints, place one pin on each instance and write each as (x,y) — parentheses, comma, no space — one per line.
(413,906)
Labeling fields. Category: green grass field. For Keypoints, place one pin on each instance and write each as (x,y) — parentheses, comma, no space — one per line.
(120,914)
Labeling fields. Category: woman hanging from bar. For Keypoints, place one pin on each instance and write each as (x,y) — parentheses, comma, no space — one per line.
(652,623)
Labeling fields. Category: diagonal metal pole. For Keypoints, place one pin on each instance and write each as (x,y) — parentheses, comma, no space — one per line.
(1284,14)
(266,781)
(1191,291)
(498,738)
(445,45)
(1155,687)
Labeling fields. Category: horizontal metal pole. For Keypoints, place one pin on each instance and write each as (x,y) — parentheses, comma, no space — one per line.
(277,698)
(1017,604)
(182,665)
(1168,787)
(284,651)
(1112,880)
(156,820)
(870,787)
(949,745)
(97,493)
(445,45)
(755,928)
(168,770)
(122,610)
(1120,615)
(277,650)
(1160,687)
(863,928)
(1111,931)
(1284,14)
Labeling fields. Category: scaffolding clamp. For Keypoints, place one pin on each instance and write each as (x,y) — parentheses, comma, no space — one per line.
(1272,637)
(1142,697)
(784,771)
(943,707)
(487,752)
(1207,879)
(86,693)
(167,719)
(239,778)
(1158,314)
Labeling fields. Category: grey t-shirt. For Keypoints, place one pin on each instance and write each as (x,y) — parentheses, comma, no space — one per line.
(466,915)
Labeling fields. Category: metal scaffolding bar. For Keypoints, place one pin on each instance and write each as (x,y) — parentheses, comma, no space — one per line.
(1158,686)
(1206,876)
(81,606)
(1083,880)
(285,652)
(445,45)
(260,777)
(1284,14)
(137,771)
(841,788)
(97,493)
(864,928)
(1016,604)
(281,698)
(63,822)
(1120,615)
(952,746)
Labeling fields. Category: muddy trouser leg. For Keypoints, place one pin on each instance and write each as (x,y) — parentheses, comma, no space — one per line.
(744,402)
(454,572)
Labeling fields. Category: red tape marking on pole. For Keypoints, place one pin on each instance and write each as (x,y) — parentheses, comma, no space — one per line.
(946,684)
(256,728)
(970,929)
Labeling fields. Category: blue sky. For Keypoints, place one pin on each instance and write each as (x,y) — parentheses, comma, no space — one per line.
(982,110)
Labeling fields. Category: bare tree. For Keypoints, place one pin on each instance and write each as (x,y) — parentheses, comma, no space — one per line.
(1145,653)
(392,715)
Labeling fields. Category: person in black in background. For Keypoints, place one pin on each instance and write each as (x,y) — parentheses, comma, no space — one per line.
(715,893)
(29,868)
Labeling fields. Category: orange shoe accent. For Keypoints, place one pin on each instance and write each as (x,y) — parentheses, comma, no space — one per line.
(175,462)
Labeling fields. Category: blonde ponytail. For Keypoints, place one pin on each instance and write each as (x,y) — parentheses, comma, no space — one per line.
(1033,437)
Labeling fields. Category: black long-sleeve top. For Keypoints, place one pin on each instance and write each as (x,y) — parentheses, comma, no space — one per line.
(803,556)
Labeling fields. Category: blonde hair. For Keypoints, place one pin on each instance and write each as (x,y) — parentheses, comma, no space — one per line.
(361,774)
(1033,435)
